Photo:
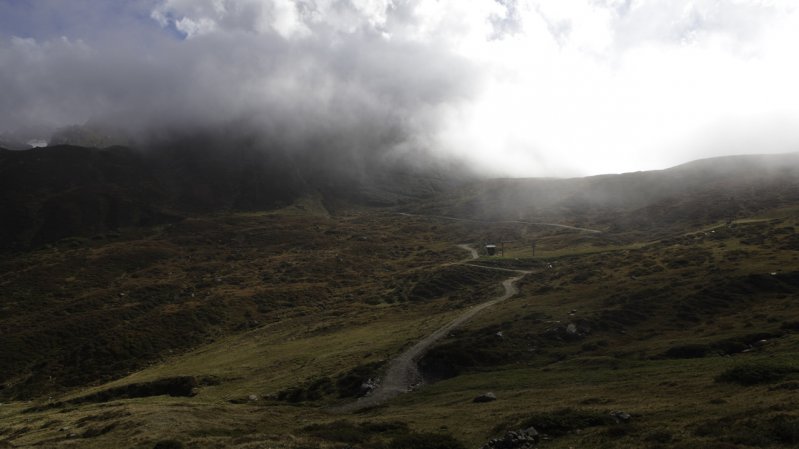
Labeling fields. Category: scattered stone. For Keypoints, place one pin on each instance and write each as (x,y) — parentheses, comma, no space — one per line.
(568,332)
(485,397)
(252,398)
(369,386)
(514,439)
(500,334)
(620,417)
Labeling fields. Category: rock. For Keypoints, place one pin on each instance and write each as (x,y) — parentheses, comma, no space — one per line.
(514,439)
(569,332)
(500,334)
(620,416)
(368,386)
(485,397)
(252,398)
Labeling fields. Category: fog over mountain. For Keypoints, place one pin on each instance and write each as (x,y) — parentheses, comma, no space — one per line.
(511,87)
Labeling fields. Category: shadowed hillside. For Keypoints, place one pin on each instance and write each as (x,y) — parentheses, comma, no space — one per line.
(683,196)
(47,194)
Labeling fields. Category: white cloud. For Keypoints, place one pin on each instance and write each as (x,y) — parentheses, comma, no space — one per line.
(589,88)
(523,87)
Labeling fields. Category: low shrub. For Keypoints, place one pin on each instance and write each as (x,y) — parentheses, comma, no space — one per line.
(168,444)
(761,431)
(339,431)
(426,441)
(689,351)
(563,421)
(352,433)
(755,373)
(660,436)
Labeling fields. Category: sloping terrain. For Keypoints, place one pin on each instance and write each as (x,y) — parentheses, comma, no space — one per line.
(644,203)
(51,193)
(88,309)
(250,330)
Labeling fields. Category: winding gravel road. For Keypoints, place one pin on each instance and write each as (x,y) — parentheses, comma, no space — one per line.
(403,372)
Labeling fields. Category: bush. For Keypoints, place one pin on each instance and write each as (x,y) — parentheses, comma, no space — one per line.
(790,326)
(426,441)
(348,432)
(566,420)
(741,343)
(660,436)
(168,444)
(339,431)
(755,373)
(753,431)
(785,429)
(690,351)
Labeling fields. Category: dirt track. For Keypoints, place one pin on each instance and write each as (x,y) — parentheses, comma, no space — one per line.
(403,372)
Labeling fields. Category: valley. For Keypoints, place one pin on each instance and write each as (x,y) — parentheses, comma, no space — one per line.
(399,224)
(280,328)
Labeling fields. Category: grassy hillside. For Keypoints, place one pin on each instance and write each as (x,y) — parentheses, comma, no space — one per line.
(645,204)
(61,191)
(250,330)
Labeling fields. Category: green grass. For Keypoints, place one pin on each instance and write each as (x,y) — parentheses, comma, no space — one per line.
(318,288)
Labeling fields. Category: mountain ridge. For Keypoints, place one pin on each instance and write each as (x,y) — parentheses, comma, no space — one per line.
(51,193)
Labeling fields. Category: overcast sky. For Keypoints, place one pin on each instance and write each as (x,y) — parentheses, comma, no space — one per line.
(518,87)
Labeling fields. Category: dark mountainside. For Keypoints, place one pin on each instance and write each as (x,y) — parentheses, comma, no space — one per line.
(51,193)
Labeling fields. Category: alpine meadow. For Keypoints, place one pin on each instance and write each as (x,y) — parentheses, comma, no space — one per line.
(399,224)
